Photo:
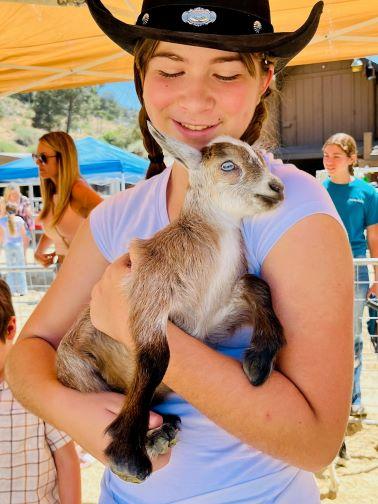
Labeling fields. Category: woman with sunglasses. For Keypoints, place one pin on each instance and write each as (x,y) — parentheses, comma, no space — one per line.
(203,70)
(67,199)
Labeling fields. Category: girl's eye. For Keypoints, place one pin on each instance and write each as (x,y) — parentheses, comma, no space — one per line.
(228,166)
(170,75)
(227,77)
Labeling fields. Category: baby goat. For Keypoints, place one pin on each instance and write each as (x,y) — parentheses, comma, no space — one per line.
(193,272)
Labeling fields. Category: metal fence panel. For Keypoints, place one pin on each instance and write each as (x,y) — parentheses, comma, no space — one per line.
(38,280)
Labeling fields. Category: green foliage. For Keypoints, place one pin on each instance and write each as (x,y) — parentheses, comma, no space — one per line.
(67,108)
(123,136)
(81,111)
(26,136)
(9,146)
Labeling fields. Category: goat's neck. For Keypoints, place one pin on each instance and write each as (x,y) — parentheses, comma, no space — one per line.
(198,203)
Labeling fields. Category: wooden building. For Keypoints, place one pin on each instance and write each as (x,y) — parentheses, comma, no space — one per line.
(321,99)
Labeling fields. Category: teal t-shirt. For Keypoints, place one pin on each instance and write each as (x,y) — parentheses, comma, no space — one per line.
(357,205)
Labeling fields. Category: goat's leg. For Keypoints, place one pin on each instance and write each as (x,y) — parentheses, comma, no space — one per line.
(90,361)
(127,452)
(268,337)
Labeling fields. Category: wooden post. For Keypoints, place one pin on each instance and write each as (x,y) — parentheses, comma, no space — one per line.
(368,144)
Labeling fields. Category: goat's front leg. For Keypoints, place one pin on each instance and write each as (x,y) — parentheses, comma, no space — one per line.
(268,337)
(148,316)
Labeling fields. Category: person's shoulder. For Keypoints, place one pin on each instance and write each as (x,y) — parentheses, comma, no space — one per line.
(299,185)
(134,195)
(364,186)
(81,188)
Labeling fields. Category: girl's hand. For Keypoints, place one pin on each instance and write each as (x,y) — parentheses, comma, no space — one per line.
(373,289)
(109,306)
(44,259)
(103,408)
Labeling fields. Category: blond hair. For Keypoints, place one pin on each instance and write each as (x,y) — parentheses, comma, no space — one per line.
(11,210)
(347,144)
(10,188)
(144,50)
(68,174)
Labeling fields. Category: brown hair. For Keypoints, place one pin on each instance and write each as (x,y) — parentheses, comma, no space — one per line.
(6,309)
(68,174)
(144,51)
(347,144)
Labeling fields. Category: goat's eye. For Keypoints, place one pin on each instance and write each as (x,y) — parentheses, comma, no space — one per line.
(228,166)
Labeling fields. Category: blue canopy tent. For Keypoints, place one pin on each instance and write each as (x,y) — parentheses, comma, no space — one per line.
(99,162)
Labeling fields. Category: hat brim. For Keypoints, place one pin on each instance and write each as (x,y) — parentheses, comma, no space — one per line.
(281,45)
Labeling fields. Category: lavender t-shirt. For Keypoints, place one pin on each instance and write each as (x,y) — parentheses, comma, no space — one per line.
(208,465)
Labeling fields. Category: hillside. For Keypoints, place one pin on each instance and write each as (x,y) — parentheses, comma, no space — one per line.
(83,111)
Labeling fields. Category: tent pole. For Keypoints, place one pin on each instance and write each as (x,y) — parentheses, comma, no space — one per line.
(31,197)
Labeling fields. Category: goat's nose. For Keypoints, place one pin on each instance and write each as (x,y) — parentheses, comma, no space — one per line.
(276,186)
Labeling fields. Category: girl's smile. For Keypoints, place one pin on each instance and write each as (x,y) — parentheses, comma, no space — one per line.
(195,94)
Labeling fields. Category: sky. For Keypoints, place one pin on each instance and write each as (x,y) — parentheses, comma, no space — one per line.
(123,93)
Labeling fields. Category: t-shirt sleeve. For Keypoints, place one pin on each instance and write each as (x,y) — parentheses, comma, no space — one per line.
(371,214)
(104,220)
(55,439)
(303,196)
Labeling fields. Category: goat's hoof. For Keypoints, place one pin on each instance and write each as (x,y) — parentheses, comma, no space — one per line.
(258,366)
(161,439)
(128,463)
(135,470)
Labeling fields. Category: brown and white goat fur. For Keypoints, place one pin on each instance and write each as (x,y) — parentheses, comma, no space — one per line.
(193,272)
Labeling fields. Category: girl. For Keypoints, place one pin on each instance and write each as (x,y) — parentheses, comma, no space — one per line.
(67,199)
(12,237)
(12,194)
(203,72)
(357,204)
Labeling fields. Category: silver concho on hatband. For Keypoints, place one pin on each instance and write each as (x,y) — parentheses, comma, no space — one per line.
(145,18)
(257,26)
(199,16)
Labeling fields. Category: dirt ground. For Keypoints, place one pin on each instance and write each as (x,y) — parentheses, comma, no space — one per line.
(358,480)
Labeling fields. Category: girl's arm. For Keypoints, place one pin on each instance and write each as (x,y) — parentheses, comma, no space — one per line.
(37,386)
(372,239)
(83,416)
(300,414)
(83,198)
(68,472)
(40,252)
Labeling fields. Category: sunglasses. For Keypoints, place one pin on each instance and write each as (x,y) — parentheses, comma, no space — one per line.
(42,158)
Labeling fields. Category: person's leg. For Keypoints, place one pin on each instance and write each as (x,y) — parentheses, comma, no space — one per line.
(361,287)
(21,275)
(16,279)
(10,262)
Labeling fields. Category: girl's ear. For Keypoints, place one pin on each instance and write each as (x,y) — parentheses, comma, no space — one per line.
(11,329)
(353,157)
(266,80)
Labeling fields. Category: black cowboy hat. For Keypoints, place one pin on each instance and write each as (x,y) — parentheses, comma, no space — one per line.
(230,25)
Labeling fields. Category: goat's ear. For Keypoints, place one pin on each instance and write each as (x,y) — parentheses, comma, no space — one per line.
(186,155)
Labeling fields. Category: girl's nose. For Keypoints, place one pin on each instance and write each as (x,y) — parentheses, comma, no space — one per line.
(197,97)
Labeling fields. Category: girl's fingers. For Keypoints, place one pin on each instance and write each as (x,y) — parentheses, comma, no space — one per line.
(156,420)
